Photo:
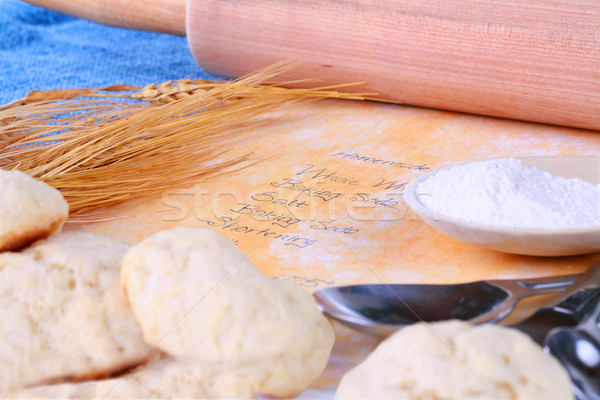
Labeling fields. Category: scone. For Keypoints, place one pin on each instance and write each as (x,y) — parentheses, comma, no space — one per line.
(63,313)
(29,210)
(166,378)
(455,360)
(197,296)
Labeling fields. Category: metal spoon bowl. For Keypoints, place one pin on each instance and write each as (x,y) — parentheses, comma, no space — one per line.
(382,309)
(578,349)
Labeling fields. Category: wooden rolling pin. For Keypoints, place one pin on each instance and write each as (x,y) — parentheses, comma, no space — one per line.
(535,60)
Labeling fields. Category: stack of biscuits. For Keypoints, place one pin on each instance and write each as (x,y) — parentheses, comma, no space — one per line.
(181,314)
(184,314)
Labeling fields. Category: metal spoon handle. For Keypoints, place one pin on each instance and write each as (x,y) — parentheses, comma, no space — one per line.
(578,349)
(534,286)
(590,323)
(573,302)
(527,296)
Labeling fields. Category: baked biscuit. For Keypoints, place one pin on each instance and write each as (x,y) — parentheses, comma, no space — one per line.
(63,313)
(167,378)
(197,296)
(29,210)
(454,360)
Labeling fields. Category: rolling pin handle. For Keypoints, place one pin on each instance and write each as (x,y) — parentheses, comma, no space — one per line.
(165,16)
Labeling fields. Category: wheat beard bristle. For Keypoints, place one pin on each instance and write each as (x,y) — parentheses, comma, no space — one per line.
(100,150)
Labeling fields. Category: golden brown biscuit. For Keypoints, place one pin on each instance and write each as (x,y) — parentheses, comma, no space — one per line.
(454,360)
(29,210)
(63,313)
(166,378)
(197,296)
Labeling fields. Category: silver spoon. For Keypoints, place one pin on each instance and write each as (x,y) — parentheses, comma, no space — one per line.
(381,309)
(578,349)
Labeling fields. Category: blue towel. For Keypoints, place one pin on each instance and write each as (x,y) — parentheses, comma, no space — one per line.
(44,50)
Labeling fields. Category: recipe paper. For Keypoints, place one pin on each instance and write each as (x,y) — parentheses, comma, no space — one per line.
(322,201)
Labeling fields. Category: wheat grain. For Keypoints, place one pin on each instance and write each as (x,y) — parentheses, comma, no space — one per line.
(100,148)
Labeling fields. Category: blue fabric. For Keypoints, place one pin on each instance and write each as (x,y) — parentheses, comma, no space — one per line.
(44,50)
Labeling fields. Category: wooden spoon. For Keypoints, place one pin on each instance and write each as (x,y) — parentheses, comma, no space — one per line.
(536,242)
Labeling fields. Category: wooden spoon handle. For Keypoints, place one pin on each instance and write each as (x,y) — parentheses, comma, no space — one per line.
(166,16)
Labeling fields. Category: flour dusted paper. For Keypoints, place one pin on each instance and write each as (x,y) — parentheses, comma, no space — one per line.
(322,203)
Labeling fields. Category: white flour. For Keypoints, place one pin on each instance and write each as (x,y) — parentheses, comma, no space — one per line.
(506,193)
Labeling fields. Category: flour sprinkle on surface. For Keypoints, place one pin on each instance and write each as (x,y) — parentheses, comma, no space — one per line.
(507,193)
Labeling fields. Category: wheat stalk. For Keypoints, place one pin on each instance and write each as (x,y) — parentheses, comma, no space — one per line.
(100,148)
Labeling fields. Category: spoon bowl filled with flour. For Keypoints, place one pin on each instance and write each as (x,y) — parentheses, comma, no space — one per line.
(541,206)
